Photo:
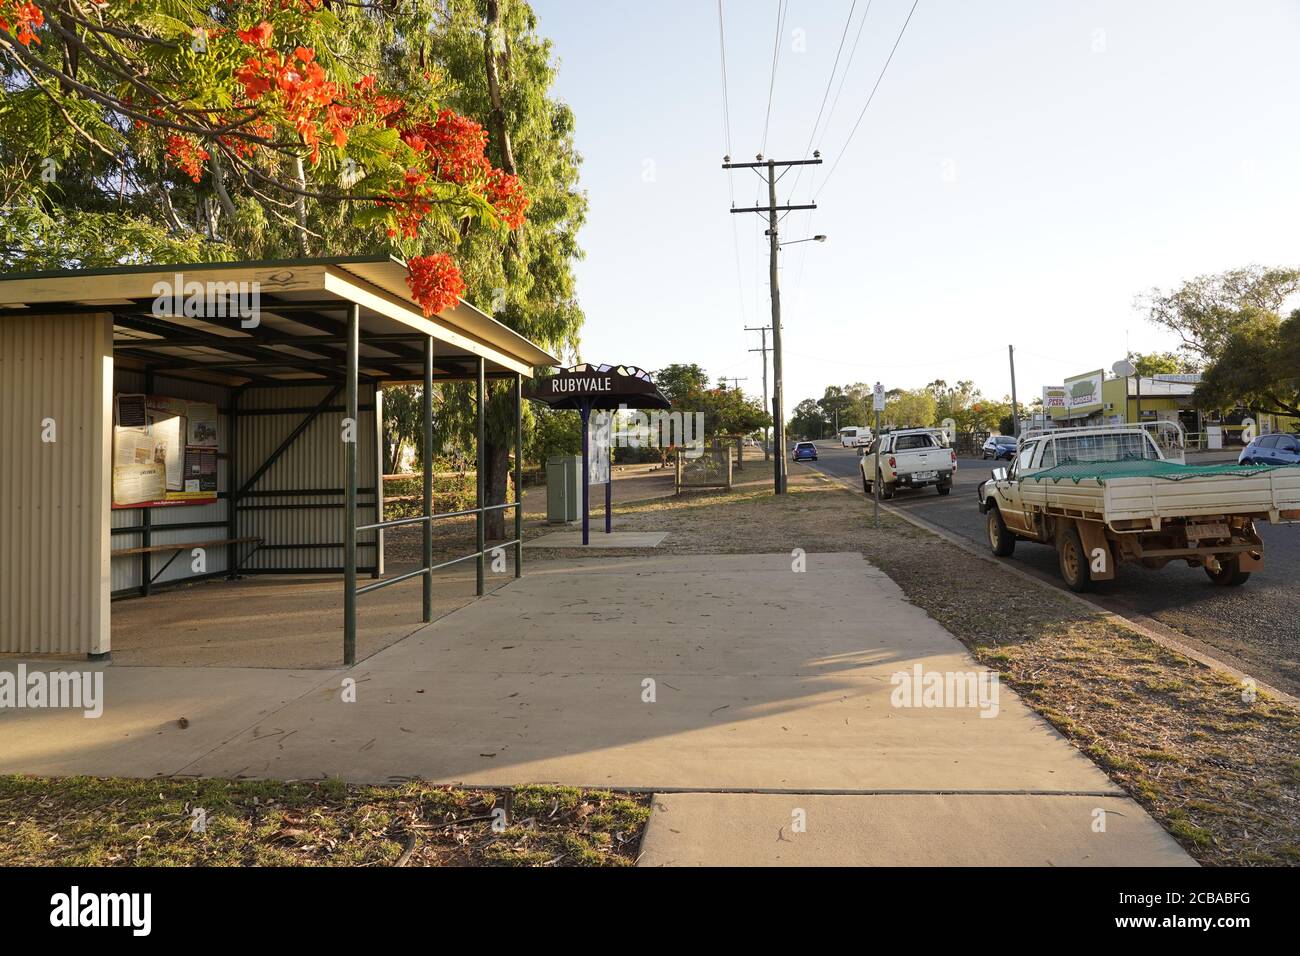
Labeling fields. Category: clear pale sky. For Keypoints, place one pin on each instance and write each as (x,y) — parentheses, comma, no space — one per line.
(1026,168)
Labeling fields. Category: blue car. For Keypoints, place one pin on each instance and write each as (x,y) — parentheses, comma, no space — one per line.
(999,446)
(804,451)
(1279,449)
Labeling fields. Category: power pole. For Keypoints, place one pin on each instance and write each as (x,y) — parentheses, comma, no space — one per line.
(731,378)
(763,330)
(1015,412)
(778,408)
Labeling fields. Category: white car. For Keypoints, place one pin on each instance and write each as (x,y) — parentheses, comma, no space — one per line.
(909,458)
(855,437)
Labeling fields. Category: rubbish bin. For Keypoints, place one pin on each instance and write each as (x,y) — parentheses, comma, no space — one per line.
(563,488)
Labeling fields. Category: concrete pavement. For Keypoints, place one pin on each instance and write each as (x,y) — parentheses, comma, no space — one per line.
(921,829)
(707,673)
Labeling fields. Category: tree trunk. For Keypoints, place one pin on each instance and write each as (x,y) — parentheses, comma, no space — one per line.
(498,473)
(496,63)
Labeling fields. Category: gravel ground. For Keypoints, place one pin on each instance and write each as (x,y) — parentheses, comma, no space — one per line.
(1219,770)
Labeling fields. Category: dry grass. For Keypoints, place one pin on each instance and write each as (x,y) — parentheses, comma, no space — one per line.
(86,821)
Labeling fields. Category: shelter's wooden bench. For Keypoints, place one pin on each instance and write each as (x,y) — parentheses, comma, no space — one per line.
(182,546)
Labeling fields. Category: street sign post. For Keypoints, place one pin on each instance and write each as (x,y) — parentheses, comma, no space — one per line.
(878,403)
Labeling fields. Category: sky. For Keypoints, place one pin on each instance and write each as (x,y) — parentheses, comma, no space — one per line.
(1025,170)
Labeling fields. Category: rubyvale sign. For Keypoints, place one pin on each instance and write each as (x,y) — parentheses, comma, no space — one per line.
(597,386)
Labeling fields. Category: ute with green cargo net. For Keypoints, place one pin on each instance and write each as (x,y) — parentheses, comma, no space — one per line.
(1110,495)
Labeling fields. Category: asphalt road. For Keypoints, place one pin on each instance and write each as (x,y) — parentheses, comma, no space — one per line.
(1255,627)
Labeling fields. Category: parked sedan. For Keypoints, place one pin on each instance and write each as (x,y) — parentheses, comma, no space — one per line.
(804,451)
(1280,449)
(1000,446)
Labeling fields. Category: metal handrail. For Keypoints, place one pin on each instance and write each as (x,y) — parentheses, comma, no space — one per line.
(420,572)
(420,519)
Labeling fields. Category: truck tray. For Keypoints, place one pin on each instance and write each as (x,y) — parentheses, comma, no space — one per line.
(1140,495)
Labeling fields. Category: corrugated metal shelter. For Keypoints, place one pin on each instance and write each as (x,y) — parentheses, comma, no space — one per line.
(293,354)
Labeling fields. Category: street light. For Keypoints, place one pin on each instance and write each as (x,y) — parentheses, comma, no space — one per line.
(793,242)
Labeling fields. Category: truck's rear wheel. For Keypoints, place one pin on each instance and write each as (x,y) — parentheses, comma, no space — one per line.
(1229,574)
(945,487)
(1002,541)
(886,489)
(1074,561)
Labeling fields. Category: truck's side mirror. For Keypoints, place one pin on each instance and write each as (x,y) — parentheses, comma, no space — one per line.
(999,474)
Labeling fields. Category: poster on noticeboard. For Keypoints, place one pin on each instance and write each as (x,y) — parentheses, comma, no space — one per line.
(164,451)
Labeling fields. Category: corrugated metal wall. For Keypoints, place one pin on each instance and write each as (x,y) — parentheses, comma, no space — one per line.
(303,532)
(54,496)
(127,571)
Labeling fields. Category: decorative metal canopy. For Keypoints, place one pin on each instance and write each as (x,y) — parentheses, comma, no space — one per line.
(586,386)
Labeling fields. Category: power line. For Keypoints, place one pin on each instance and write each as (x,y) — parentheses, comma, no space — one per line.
(853,52)
(872,95)
(726,104)
(731,186)
(776,59)
(848,65)
(829,80)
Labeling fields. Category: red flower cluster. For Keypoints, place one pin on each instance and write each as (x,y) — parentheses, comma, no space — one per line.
(454,144)
(452,148)
(506,194)
(245,147)
(21,20)
(434,281)
(188,155)
(299,86)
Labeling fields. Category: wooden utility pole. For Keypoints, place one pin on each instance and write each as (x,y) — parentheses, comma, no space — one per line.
(771,209)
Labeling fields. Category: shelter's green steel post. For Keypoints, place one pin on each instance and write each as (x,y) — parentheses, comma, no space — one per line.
(232,485)
(426,411)
(482,468)
(519,474)
(146,519)
(350,491)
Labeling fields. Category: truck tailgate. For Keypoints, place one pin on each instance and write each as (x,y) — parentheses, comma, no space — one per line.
(922,459)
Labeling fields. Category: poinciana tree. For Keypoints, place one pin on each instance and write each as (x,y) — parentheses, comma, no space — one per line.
(457,67)
(278,111)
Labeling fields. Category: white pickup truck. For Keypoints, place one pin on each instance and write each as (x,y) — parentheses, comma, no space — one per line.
(909,458)
(1114,494)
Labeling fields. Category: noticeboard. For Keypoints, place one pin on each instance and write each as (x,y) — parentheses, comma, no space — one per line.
(164,451)
(598,442)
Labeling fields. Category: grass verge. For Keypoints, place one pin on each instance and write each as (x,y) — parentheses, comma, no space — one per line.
(91,821)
